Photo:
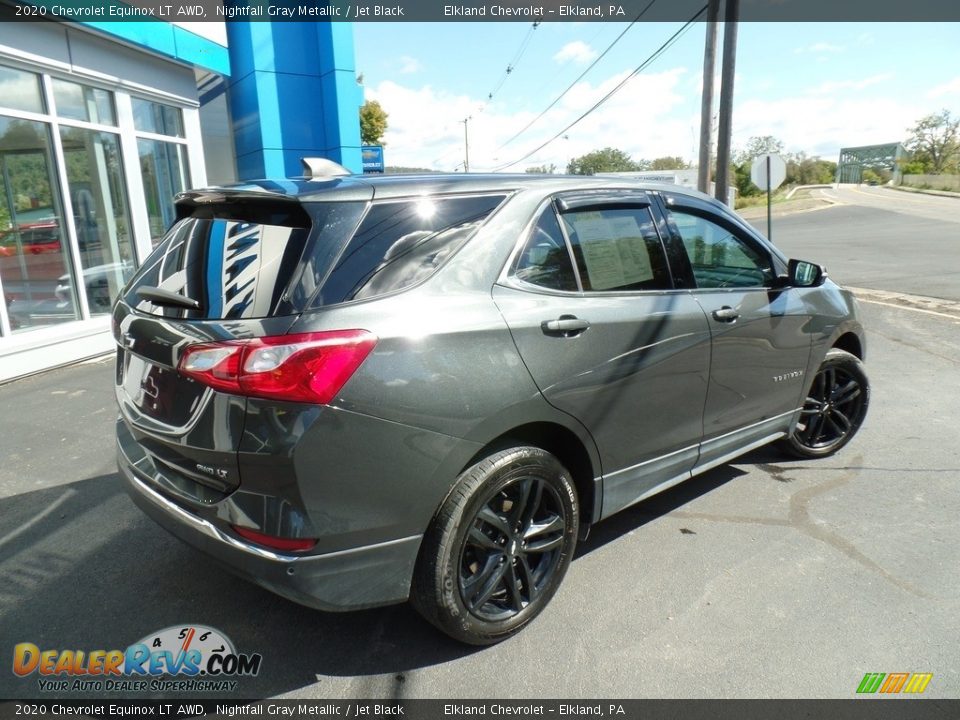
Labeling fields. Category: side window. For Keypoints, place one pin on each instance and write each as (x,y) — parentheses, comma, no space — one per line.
(617,249)
(544,260)
(400,243)
(719,258)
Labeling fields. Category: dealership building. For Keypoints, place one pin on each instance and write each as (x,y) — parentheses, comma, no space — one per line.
(102,123)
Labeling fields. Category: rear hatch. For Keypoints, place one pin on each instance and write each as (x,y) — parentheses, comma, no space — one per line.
(236,265)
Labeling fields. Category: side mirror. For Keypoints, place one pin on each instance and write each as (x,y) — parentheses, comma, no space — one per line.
(805,274)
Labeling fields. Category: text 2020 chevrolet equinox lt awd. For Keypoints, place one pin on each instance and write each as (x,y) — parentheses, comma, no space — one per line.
(354,391)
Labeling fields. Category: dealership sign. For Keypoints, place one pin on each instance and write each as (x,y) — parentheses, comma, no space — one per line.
(372,158)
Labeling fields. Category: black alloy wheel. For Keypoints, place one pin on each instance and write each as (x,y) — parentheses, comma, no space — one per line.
(834,408)
(512,550)
(498,547)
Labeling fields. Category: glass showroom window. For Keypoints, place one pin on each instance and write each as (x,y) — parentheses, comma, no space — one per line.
(35,267)
(95,178)
(95,182)
(80,102)
(163,160)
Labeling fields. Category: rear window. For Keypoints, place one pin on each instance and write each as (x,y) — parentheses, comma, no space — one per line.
(245,260)
(401,243)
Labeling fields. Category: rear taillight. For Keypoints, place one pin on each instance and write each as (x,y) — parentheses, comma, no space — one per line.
(306,367)
(274,542)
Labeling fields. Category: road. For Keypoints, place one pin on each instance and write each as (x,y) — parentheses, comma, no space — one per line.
(879,238)
(766,577)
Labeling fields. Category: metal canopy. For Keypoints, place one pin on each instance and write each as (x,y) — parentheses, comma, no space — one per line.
(853,160)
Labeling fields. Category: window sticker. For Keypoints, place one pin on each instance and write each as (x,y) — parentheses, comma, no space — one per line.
(614,250)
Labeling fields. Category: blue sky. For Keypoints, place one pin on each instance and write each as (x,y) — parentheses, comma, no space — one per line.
(817,87)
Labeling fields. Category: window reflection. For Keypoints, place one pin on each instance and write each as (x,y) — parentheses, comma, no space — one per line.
(34,262)
(81,102)
(94,174)
(163,166)
(20,90)
(157,118)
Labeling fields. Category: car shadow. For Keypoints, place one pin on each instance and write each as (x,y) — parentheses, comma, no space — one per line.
(82,568)
(663,503)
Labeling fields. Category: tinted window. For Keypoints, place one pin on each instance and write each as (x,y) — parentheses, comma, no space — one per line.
(719,258)
(617,249)
(544,260)
(246,260)
(402,243)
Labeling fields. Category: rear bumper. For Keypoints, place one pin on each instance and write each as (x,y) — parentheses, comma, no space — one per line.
(351,579)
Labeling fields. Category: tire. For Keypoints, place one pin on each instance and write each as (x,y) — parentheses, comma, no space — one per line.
(499,546)
(834,408)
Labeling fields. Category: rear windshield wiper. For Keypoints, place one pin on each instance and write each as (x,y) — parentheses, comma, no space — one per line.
(164,297)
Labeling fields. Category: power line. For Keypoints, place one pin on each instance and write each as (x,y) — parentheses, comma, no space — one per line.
(656,54)
(579,78)
(511,67)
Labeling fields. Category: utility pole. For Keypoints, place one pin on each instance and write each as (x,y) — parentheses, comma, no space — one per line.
(466,146)
(706,108)
(731,13)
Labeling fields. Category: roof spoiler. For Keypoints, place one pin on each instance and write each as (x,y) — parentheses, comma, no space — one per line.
(318,167)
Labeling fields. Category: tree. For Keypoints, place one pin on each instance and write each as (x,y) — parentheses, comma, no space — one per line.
(935,141)
(672,162)
(542,169)
(757,146)
(804,170)
(607,160)
(741,178)
(373,123)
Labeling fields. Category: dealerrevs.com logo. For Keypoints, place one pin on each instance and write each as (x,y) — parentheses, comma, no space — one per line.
(184,658)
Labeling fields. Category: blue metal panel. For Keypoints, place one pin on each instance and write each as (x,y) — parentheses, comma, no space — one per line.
(250,165)
(151,34)
(294,94)
(169,40)
(199,51)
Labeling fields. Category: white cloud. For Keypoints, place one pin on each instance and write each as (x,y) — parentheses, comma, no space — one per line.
(577,51)
(409,65)
(951,87)
(821,125)
(643,119)
(425,128)
(832,86)
(819,48)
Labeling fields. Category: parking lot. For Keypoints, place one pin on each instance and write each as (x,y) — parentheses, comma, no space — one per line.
(763,578)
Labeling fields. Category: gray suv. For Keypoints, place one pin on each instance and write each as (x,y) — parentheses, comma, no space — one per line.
(356,391)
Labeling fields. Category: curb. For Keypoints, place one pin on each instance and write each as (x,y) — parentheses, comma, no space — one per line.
(920,191)
(825,203)
(920,303)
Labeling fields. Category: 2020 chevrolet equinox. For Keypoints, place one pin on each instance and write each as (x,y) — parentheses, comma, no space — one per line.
(354,391)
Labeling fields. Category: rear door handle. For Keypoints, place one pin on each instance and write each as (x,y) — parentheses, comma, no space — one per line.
(725,314)
(564,326)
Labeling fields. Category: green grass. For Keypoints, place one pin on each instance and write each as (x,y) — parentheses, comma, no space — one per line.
(778,197)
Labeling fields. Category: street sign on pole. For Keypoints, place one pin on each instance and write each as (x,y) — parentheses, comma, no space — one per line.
(777,173)
(768,173)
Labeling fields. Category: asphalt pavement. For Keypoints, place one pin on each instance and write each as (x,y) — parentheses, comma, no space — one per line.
(879,238)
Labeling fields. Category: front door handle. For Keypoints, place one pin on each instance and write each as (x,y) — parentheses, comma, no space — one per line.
(564,326)
(726,314)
